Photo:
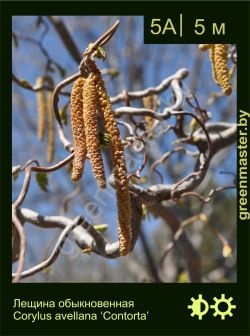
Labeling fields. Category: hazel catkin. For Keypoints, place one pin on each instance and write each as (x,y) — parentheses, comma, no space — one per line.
(221,69)
(41,108)
(118,160)
(78,132)
(90,103)
(211,56)
(150,102)
(51,132)
(45,112)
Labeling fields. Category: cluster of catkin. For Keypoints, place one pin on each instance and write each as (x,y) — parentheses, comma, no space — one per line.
(220,71)
(90,105)
(84,102)
(45,111)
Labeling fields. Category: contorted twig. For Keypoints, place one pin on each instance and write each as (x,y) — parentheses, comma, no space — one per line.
(22,244)
(210,195)
(18,225)
(179,75)
(99,43)
(179,233)
(55,253)
(38,168)
(166,156)
(86,236)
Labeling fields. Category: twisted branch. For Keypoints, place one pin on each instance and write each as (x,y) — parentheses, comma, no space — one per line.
(86,236)
(55,253)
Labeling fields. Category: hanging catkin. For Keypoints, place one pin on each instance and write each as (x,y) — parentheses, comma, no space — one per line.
(51,133)
(150,102)
(221,69)
(50,119)
(90,103)
(120,170)
(41,108)
(211,56)
(77,125)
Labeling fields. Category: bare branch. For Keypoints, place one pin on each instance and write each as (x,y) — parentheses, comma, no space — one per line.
(35,88)
(55,253)
(166,156)
(38,168)
(101,41)
(25,187)
(43,50)
(66,37)
(159,192)
(210,195)
(179,75)
(22,245)
(188,252)
(86,236)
